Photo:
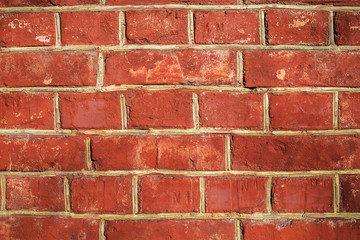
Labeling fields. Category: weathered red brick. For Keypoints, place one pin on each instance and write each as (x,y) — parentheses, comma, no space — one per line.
(44,3)
(347,28)
(311,194)
(41,227)
(203,153)
(310,2)
(157,27)
(205,67)
(35,193)
(90,28)
(300,69)
(157,2)
(27,29)
(349,114)
(26,110)
(295,153)
(101,194)
(294,111)
(350,193)
(299,230)
(42,153)
(48,69)
(231,110)
(123,152)
(297,27)
(160,194)
(240,27)
(90,110)
(160,109)
(235,194)
(171,229)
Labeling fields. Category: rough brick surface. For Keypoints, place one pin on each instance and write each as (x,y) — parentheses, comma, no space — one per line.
(42,153)
(26,110)
(298,230)
(295,153)
(301,111)
(160,194)
(349,114)
(157,27)
(165,109)
(231,110)
(234,194)
(90,110)
(27,29)
(90,28)
(204,153)
(48,69)
(241,27)
(300,69)
(174,229)
(209,67)
(349,193)
(147,2)
(347,30)
(35,193)
(45,3)
(124,152)
(101,194)
(307,2)
(302,194)
(297,27)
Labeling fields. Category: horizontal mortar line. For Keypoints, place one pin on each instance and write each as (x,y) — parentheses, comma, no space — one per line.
(232,215)
(109,132)
(180,47)
(185,173)
(177,6)
(93,89)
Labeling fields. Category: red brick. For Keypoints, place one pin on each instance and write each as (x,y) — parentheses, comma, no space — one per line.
(157,27)
(350,193)
(90,28)
(41,227)
(239,27)
(27,29)
(205,67)
(160,194)
(300,230)
(26,110)
(301,69)
(203,153)
(234,194)
(294,111)
(170,229)
(42,153)
(157,2)
(347,28)
(302,194)
(349,116)
(310,2)
(101,194)
(160,109)
(297,27)
(48,69)
(295,153)
(90,110)
(231,110)
(35,193)
(44,3)
(123,152)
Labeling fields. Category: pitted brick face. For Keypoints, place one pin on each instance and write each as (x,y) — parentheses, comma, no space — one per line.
(180,119)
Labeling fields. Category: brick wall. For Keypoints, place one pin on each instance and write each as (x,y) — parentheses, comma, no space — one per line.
(174,119)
